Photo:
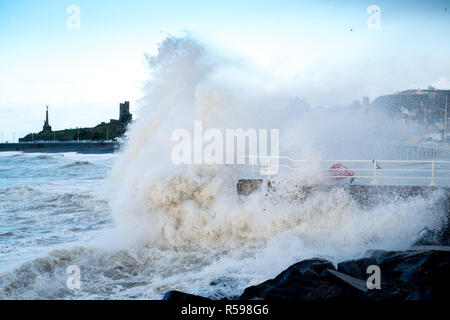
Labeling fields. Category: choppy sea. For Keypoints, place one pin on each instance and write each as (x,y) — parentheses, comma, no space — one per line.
(55,212)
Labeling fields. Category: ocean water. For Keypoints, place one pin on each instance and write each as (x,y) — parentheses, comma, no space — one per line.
(55,212)
(50,199)
(137,225)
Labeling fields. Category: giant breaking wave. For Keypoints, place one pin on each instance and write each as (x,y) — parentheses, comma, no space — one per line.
(184,227)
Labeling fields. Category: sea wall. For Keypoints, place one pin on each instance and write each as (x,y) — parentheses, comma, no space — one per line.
(367,196)
(100,147)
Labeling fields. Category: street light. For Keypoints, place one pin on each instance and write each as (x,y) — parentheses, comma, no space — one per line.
(445,120)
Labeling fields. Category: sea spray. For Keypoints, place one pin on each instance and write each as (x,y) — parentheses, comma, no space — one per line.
(196,205)
(185,228)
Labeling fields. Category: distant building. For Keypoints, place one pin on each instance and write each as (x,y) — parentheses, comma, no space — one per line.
(356,104)
(425,106)
(46,128)
(366,101)
(125,116)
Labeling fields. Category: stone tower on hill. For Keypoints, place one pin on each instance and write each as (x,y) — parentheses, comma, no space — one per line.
(101,132)
(46,128)
(125,116)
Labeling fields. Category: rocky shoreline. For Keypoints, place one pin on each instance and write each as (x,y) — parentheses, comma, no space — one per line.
(421,273)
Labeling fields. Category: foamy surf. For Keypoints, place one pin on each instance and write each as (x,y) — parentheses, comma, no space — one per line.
(184,227)
(220,258)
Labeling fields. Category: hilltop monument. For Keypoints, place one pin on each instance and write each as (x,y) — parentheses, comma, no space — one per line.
(46,128)
(125,116)
(101,132)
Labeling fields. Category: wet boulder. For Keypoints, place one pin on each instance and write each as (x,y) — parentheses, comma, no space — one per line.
(178,296)
(420,273)
(423,272)
(306,280)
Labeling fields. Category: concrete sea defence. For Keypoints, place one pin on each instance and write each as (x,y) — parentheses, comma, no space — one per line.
(365,195)
(79,147)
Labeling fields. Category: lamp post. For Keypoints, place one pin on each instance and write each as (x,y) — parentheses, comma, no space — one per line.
(445,120)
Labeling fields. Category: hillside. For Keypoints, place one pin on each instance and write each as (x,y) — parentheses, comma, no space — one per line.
(103,131)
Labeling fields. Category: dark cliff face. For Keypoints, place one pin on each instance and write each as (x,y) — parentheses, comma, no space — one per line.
(415,104)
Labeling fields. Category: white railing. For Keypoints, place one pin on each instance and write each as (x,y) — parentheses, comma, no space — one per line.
(373,171)
(420,151)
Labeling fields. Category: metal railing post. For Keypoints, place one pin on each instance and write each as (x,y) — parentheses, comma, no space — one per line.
(374,180)
(432,183)
(252,166)
(270,165)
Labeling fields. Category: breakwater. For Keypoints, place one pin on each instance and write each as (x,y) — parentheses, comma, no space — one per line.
(367,196)
(79,147)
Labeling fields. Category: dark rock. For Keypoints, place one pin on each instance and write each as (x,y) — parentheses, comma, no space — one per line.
(443,233)
(356,268)
(420,273)
(178,296)
(305,280)
(423,273)
(350,286)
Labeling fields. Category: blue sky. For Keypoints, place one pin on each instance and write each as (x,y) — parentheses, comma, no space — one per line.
(83,74)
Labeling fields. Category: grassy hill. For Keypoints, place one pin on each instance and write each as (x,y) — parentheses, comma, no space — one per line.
(103,131)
